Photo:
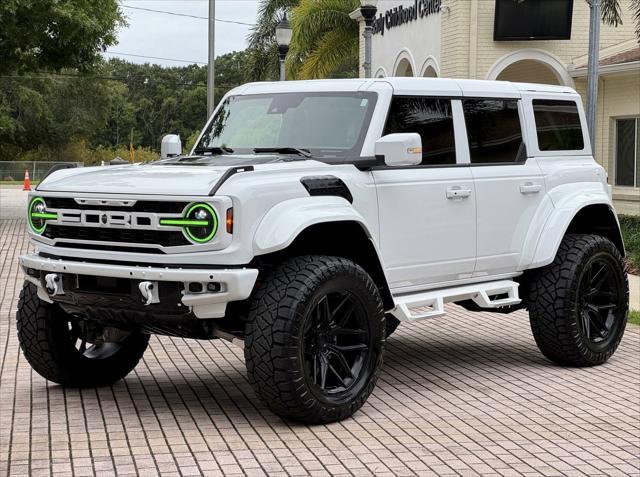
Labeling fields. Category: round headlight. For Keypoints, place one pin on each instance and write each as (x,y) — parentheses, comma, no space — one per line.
(204,225)
(38,215)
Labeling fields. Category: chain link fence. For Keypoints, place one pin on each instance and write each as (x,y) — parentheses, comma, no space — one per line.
(14,170)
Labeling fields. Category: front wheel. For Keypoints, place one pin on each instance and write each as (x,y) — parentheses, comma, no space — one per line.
(71,351)
(314,339)
(578,305)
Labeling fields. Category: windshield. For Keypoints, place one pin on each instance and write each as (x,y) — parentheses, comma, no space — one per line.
(326,125)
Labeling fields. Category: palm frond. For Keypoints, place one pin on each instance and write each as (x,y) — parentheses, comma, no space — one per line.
(635,8)
(325,38)
(312,18)
(610,11)
(332,51)
(269,14)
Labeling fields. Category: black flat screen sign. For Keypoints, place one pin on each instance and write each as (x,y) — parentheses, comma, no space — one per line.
(518,20)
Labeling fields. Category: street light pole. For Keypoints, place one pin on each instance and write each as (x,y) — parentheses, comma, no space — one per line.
(212,57)
(593,67)
(282,55)
(368,9)
(284,34)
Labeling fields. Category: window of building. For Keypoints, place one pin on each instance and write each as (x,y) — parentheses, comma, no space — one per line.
(494,131)
(628,152)
(558,125)
(432,118)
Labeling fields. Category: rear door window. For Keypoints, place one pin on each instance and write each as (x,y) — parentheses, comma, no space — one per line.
(558,125)
(494,131)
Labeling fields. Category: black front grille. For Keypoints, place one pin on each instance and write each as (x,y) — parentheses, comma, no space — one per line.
(150,206)
(99,234)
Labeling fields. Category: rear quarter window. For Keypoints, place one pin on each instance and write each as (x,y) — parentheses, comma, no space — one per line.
(558,125)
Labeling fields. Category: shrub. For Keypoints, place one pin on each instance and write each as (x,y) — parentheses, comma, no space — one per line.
(630,225)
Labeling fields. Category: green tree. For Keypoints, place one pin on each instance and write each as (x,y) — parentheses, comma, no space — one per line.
(325,39)
(231,71)
(67,113)
(46,36)
(37,35)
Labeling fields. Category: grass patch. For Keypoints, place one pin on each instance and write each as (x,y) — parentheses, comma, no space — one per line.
(630,226)
(17,182)
(634,317)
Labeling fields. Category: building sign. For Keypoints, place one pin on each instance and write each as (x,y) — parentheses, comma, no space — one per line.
(401,15)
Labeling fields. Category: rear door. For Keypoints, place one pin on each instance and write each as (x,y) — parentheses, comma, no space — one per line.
(427,212)
(509,185)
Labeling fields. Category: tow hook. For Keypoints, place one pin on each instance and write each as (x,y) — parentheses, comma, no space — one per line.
(53,284)
(149,292)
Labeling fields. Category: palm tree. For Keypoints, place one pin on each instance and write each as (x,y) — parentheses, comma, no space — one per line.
(262,60)
(325,39)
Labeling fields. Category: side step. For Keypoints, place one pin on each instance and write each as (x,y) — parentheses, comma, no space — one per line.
(430,304)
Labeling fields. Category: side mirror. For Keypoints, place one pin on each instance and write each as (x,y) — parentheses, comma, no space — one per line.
(403,149)
(171,146)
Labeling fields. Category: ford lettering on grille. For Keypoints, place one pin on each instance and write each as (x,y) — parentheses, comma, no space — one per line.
(117,219)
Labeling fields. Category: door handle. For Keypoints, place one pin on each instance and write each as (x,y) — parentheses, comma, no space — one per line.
(458,192)
(530,188)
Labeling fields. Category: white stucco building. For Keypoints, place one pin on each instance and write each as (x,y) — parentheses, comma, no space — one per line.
(523,41)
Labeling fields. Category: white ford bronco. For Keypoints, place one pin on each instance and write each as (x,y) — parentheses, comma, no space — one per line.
(311,218)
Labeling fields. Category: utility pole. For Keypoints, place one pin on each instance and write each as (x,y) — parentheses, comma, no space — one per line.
(593,67)
(211,71)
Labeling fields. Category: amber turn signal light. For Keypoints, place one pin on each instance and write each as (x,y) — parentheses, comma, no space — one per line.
(230,221)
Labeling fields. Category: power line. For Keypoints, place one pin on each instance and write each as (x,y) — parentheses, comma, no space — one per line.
(155,57)
(186,15)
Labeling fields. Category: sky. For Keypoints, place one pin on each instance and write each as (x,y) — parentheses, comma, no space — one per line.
(182,38)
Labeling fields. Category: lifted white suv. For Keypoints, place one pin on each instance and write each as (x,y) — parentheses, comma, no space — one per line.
(313,217)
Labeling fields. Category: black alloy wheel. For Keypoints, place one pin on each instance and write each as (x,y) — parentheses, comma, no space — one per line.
(336,343)
(598,299)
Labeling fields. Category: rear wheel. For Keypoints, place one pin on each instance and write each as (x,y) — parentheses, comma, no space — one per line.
(315,339)
(71,351)
(578,305)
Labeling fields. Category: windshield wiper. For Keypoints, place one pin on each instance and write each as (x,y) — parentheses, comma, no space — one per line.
(214,150)
(283,150)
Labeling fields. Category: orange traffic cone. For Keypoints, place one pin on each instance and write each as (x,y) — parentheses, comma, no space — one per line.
(27,184)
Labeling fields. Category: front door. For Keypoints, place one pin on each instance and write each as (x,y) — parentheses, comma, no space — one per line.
(427,212)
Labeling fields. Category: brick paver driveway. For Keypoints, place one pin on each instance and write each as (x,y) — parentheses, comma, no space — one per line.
(465,394)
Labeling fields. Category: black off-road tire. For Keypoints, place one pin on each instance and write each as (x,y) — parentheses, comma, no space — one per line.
(557,300)
(49,346)
(391,324)
(275,337)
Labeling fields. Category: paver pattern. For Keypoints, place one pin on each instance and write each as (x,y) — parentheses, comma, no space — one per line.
(465,394)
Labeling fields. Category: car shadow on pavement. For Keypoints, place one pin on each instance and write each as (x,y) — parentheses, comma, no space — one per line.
(223,397)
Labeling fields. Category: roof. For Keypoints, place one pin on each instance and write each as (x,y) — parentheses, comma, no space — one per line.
(621,58)
(402,85)
(620,63)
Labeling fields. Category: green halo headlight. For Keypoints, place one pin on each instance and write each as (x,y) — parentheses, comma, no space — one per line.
(38,215)
(199,223)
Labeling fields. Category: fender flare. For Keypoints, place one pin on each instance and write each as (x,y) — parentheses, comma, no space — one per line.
(285,221)
(559,221)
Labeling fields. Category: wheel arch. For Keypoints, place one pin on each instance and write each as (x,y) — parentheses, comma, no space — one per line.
(591,218)
(325,228)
